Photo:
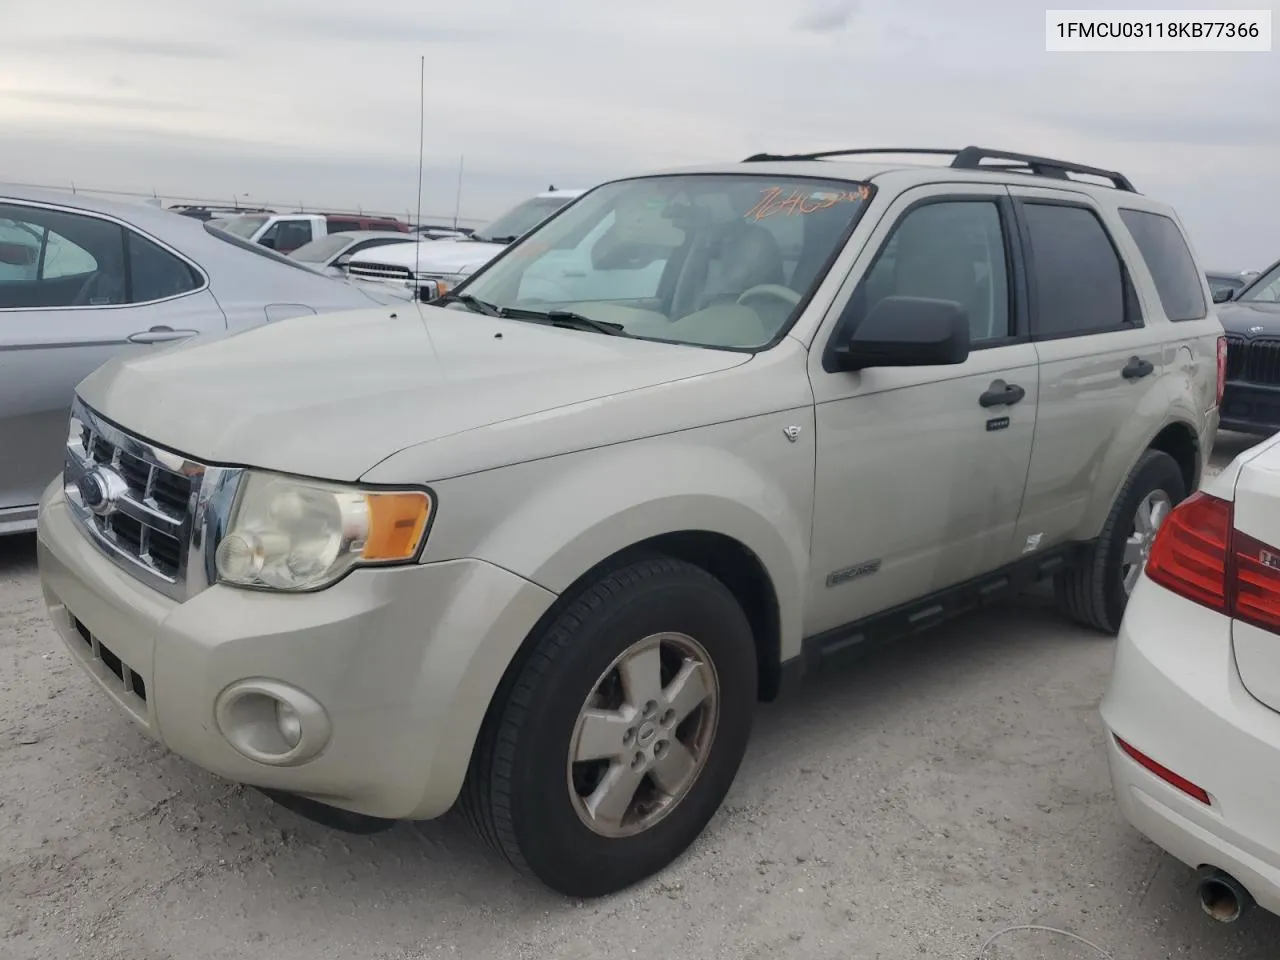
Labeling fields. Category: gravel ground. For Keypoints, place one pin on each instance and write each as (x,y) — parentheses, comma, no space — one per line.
(914,806)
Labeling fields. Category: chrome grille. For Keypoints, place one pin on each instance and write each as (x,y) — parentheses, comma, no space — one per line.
(378,271)
(138,503)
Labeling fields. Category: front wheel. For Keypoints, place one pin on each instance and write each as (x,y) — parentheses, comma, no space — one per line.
(1096,592)
(622,731)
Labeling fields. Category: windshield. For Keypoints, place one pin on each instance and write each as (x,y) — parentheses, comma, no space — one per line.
(723,261)
(322,250)
(1266,289)
(519,220)
(243,226)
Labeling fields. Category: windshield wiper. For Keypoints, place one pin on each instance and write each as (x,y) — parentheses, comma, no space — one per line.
(566,319)
(506,240)
(475,303)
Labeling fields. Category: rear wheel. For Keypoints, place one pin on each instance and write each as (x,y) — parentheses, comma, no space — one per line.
(1096,592)
(619,736)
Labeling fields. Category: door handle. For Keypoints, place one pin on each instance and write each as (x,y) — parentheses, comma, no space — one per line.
(1136,368)
(161,334)
(1002,393)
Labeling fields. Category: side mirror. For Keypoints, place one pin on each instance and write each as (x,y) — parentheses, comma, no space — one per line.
(907,332)
(342,261)
(1223,295)
(268,242)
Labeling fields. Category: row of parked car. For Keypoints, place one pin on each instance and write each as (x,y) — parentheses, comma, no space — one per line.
(121,278)
(538,548)
(416,270)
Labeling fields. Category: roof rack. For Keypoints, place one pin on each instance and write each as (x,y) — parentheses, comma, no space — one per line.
(970,158)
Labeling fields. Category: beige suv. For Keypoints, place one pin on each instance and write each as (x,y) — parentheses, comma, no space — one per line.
(540,548)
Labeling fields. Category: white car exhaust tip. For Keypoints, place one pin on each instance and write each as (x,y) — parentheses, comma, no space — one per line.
(1221,895)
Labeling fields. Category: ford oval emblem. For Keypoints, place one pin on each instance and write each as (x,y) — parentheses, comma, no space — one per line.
(99,489)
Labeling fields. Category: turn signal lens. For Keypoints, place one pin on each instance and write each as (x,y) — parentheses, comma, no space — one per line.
(396,524)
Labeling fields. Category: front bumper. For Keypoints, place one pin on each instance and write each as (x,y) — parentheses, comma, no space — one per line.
(422,290)
(403,663)
(1175,695)
(1250,407)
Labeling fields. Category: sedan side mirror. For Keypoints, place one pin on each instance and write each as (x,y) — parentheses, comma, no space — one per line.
(268,242)
(342,261)
(907,332)
(1223,295)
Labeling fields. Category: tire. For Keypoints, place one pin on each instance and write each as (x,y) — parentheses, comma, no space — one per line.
(1093,593)
(521,788)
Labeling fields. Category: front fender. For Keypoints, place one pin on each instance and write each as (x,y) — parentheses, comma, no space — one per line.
(550,521)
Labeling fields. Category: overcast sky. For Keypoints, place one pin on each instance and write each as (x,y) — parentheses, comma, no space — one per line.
(317,100)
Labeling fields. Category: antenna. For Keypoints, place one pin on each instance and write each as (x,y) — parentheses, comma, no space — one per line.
(422,122)
(457,196)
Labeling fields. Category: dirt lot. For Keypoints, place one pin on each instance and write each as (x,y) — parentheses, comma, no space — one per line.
(914,806)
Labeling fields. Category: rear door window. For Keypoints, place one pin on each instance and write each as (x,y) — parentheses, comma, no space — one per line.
(51,258)
(1080,286)
(1169,259)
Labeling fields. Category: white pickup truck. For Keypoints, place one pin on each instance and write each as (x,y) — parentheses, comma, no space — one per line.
(286,232)
(426,271)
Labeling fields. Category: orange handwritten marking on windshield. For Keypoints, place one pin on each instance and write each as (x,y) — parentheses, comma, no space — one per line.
(802,202)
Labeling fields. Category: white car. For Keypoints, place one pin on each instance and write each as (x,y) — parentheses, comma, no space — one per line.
(422,272)
(1193,707)
(331,254)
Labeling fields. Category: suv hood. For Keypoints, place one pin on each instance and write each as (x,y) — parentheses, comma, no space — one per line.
(1242,317)
(330,396)
(435,256)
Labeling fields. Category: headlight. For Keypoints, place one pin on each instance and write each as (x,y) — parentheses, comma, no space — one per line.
(290,534)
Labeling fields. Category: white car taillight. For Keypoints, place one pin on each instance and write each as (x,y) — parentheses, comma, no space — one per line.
(1199,555)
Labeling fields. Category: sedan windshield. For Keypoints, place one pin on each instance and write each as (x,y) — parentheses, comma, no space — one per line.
(723,261)
(519,220)
(243,226)
(1266,289)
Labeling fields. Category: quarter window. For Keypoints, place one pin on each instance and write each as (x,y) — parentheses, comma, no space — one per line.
(1169,259)
(1080,284)
(950,250)
(156,274)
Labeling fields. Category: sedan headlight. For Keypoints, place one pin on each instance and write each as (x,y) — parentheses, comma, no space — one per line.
(291,534)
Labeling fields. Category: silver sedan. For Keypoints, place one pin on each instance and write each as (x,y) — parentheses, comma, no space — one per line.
(83,280)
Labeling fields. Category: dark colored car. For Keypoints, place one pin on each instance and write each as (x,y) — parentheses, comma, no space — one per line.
(1251,320)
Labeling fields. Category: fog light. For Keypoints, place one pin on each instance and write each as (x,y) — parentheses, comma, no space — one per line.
(272,722)
(289,722)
